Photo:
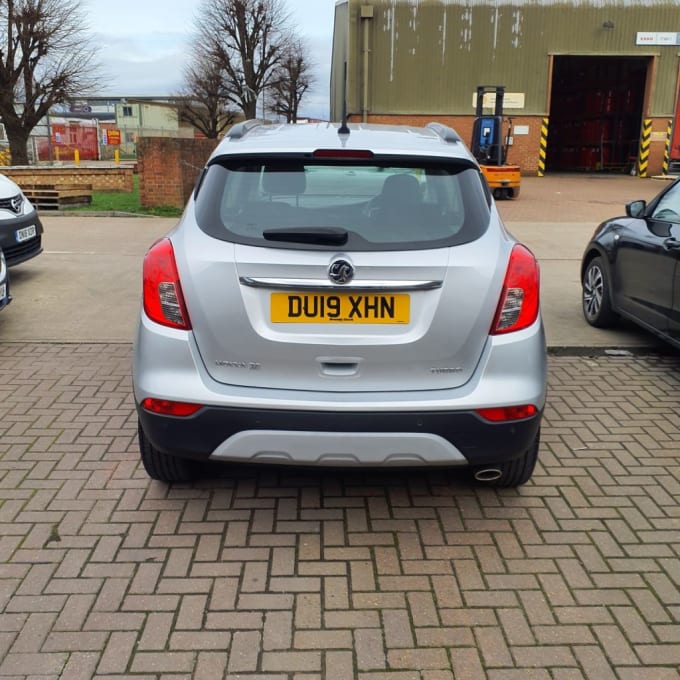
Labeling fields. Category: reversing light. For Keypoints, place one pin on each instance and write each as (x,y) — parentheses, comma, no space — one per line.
(163,298)
(519,302)
(507,413)
(165,407)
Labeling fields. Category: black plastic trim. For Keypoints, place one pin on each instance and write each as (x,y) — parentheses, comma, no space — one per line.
(16,253)
(480,441)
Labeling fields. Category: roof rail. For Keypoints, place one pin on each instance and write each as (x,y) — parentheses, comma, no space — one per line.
(446,133)
(242,129)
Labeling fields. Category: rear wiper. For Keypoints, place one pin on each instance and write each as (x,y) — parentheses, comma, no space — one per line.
(317,235)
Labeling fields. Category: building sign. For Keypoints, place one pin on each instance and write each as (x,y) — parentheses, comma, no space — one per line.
(657,38)
(512,100)
(113,137)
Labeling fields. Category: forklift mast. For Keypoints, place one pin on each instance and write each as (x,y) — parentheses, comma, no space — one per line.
(487,134)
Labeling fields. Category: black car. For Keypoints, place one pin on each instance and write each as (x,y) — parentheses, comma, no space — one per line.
(20,227)
(631,267)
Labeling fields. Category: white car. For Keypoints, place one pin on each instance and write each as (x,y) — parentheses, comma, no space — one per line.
(342,297)
(5,297)
(20,227)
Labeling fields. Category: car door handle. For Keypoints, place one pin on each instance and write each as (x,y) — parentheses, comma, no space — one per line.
(671,244)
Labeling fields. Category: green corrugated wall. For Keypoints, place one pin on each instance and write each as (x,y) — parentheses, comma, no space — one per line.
(428,56)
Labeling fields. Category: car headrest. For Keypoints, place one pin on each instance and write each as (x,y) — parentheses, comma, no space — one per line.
(402,189)
(281,180)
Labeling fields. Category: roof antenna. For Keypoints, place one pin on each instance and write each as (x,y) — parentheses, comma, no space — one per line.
(344,130)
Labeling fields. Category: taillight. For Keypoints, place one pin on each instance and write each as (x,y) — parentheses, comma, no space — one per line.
(506,413)
(163,299)
(181,409)
(518,305)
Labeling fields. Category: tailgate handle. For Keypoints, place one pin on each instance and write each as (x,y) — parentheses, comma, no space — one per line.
(339,369)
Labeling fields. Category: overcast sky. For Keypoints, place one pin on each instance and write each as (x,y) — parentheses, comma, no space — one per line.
(142,44)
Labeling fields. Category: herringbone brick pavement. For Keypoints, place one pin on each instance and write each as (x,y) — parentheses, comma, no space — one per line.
(275,574)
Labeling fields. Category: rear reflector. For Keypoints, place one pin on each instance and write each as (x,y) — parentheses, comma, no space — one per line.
(506,413)
(519,302)
(170,408)
(163,299)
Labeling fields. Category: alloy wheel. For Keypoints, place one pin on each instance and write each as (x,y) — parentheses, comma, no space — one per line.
(593,291)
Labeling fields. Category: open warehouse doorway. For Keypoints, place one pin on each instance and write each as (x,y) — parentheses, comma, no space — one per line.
(596,108)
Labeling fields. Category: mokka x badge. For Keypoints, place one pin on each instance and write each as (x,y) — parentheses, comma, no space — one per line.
(341,271)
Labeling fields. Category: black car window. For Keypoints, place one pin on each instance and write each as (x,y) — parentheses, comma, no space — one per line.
(668,207)
(381,205)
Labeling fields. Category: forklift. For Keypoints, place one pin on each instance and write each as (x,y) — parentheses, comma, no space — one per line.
(489,147)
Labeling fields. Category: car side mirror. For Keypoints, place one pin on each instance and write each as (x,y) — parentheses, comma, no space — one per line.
(636,208)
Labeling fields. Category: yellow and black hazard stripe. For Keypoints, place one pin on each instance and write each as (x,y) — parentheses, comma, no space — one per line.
(667,147)
(645,142)
(543,149)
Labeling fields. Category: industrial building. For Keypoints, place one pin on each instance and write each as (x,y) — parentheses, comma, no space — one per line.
(591,85)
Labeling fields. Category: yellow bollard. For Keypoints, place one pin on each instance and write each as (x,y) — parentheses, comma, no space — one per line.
(76,157)
(56,153)
(116,156)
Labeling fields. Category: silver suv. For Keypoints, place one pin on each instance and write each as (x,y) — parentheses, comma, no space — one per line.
(341,296)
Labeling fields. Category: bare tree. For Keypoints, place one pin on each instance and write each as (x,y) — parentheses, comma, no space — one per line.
(246,38)
(45,59)
(290,81)
(204,100)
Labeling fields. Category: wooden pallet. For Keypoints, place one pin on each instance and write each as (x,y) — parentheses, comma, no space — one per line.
(57,196)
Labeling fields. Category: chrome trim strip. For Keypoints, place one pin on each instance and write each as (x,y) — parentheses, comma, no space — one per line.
(323,285)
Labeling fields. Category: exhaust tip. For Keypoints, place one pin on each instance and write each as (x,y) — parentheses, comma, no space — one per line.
(488,474)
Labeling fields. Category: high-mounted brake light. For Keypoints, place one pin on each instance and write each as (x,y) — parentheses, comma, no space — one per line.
(181,409)
(163,298)
(506,413)
(342,153)
(519,302)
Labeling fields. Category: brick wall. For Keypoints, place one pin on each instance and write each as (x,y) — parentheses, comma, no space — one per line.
(524,151)
(169,168)
(102,178)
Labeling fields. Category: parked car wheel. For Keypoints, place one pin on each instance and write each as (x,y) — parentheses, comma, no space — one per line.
(510,473)
(597,307)
(163,467)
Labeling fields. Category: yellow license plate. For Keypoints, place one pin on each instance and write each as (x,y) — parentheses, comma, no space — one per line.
(347,308)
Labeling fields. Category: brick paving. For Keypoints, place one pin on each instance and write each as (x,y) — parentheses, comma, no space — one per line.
(263,573)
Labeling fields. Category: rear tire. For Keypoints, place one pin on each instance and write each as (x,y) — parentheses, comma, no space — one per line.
(513,472)
(596,296)
(163,467)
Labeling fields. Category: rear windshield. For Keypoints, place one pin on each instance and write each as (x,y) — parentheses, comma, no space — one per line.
(367,206)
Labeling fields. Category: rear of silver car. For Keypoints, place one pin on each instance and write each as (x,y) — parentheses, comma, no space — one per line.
(336,305)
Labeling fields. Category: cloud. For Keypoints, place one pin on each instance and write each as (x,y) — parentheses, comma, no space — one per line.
(136,61)
(149,65)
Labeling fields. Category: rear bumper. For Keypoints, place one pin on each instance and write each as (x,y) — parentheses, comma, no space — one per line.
(346,438)
(427,427)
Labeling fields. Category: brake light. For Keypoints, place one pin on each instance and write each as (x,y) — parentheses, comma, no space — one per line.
(343,153)
(163,298)
(165,407)
(519,302)
(506,413)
